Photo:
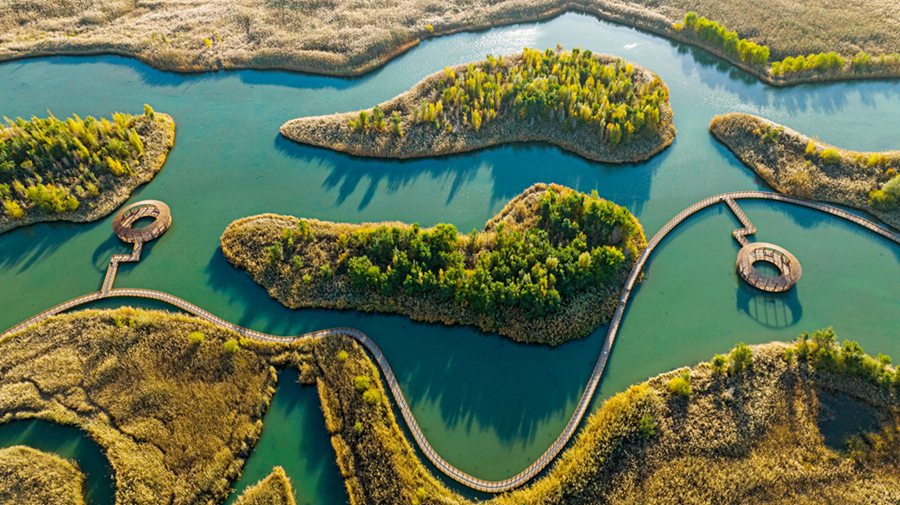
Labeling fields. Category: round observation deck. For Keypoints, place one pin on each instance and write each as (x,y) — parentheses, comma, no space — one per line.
(789,270)
(123,223)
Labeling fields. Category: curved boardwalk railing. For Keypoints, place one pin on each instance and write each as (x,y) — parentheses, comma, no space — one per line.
(419,437)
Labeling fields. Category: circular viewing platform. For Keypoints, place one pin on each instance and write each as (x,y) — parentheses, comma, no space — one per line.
(789,270)
(123,223)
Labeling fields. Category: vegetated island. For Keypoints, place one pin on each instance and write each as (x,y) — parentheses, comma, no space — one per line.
(547,269)
(32,477)
(77,169)
(797,165)
(600,107)
(275,489)
(339,38)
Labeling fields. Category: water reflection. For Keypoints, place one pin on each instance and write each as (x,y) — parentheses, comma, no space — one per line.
(771,310)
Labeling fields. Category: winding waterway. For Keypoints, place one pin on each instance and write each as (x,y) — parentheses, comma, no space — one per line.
(487,405)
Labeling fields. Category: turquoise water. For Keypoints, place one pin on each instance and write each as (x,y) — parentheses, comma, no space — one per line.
(487,405)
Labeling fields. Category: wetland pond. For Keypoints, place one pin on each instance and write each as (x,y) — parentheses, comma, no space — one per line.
(487,405)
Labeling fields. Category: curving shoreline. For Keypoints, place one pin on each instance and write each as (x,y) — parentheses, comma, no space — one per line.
(29,476)
(245,241)
(159,53)
(798,165)
(421,140)
(158,142)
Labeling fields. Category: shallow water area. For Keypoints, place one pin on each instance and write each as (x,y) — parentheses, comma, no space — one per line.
(487,405)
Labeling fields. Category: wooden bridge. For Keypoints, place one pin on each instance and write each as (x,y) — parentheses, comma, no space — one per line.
(418,436)
(789,269)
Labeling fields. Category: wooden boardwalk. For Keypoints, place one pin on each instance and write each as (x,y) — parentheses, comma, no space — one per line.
(740,234)
(418,436)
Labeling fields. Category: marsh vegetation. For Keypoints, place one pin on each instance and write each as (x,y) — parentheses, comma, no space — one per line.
(32,477)
(735,429)
(176,418)
(745,431)
(275,489)
(341,38)
(802,166)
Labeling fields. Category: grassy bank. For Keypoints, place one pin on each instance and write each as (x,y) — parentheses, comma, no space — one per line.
(273,490)
(175,409)
(798,165)
(77,169)
(376,461)
(548,268)
(743,428)
(32,477)
(599,107)
(349,39)
(794,68)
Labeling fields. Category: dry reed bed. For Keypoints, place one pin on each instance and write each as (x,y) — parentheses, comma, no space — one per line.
(351,38)
(749,437)
(275,489)
(176,418)
(801,166)
(32,477)
(422,139)
(741,434)
(245,241)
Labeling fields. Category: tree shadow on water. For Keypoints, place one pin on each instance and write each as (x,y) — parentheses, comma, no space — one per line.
(472,378)
(511,168)
(23,247)
(475,379)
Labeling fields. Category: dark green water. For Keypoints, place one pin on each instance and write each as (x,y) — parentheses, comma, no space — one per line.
(295,438)
(487,405)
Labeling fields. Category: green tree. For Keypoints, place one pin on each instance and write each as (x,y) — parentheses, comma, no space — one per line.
(681,385)
(231,346)
(741,358)
(196,337)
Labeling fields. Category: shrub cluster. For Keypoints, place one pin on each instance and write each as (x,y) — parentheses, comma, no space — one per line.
(716,34)
(822,351)
(569,87)
(212,401)
(888,197)
(52,164)
(375,121)
(818,62)
(536,269)
(739,360)
(681,385)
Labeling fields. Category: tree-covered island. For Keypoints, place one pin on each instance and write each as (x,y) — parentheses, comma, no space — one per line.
(597,106)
